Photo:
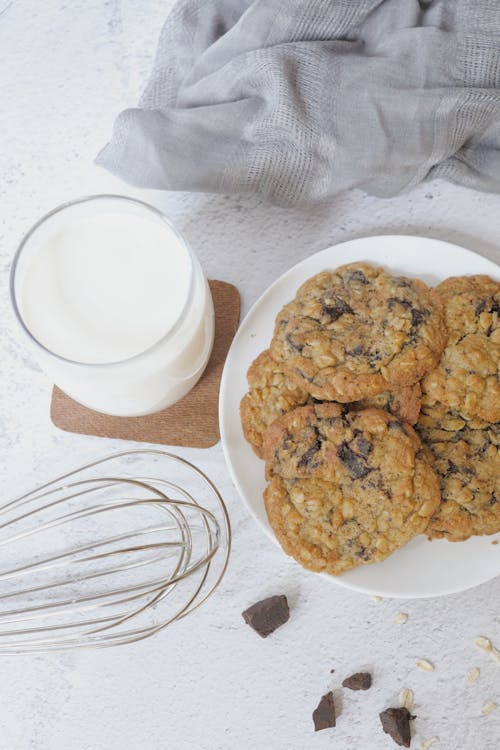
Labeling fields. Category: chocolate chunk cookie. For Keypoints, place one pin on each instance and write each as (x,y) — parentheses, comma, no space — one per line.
(346,488)
(466,379)
(272,393)
(358,331)
(467,461)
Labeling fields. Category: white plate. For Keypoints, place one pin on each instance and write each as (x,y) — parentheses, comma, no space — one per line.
(421,568)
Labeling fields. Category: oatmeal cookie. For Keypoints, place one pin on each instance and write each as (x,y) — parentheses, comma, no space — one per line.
(346,488)
(433,415)
(403,403)
(467,461)
(466,380)
(358,331)
(272,393)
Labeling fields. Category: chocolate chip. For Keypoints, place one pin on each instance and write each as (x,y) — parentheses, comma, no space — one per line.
(295,347)
(493,499)
(396,723)
(267,615)
(358,681)
(324,715)
(336,310)
(355,463)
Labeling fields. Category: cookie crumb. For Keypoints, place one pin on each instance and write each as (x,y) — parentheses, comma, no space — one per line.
(324,714)
(267,615)
(495,541)
(401,618)
(406,698)
(376,598)
(358,681)
(396,723)
(427,743)
(426,665)
(473,675)
(488,708)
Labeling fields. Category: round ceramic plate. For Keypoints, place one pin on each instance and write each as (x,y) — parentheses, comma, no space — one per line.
(421,568)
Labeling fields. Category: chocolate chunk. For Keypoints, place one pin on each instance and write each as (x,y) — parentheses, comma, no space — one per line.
(495,307)
(417,316)
(363,554)
(324,714)
(480,306)
(336,310)
(295,347)
(452,468)
(306,459)
(363,445)
(373,357)
(355,463)
(356,352)
(267,615)
(357,276)
(493,499)
(358,681)
(396,723)
(392,301)
(400,281)
(395,425)
(303,375)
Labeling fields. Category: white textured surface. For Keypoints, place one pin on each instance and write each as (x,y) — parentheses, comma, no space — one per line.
(210,683)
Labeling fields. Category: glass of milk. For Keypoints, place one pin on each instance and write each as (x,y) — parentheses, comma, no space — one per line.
(115,305)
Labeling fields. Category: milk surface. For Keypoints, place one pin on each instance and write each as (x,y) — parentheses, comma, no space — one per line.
(105,287)
(122,308)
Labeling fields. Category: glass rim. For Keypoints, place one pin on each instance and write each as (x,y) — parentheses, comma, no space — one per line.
(88,199)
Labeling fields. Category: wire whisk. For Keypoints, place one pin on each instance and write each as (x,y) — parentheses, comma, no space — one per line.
(109,553)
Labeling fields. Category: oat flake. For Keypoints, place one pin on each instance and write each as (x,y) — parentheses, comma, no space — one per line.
(427,743)
(488,708)
(406,699)
(473,674)
(426,665)
(401,618)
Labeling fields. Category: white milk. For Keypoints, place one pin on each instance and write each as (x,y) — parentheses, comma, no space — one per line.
(120,306)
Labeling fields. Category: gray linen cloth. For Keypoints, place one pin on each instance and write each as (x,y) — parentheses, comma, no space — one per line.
(297,101)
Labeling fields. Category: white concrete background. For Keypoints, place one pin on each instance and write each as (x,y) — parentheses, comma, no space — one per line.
(209,683)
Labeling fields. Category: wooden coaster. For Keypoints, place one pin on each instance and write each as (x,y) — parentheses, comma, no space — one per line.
(193,421)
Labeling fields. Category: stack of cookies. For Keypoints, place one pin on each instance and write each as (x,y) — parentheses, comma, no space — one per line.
(357,358)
